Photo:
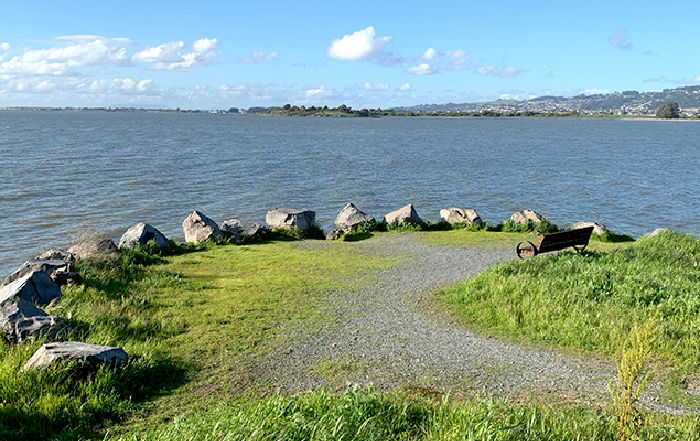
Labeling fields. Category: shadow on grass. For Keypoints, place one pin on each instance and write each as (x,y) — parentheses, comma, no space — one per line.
(69,402)
(356,237)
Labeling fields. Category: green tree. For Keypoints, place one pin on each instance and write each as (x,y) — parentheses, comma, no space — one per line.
(668,110)
(286,107)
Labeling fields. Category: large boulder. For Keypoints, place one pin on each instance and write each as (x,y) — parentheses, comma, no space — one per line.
(461,216)
(597,228)
(198,228)
(525,216)
(404,214)
(50,267)
(22,320)
(142,233)
(350,216)
(90,355)
(290,219)
(35,287)
(239,229)
(93,247)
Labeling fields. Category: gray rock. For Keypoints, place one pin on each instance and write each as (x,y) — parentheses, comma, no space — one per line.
(50,267)
(198,228)
(93,247)
(91,355)
(22,320)
(461,216)
(404,214)
(350,216)
(335,235)
(597,228)
(35,287)
(56,255)
(142,233)
(522,217)
(290,219)
(238,229)
(656,232)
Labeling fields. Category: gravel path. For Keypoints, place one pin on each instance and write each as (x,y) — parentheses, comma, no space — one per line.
(383,337)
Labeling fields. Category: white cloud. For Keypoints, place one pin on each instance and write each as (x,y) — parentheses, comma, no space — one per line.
(359,45)
(376,86)
(457,60)
(421,69)
(75,52)
(500,72)
(619,40)
(429,54)
(405,87)
(519,96)
(363,45)
(4,49)
(128,85)
(84,52)
(442,61)
(164,53)
(595,91)
(257,57)
(169,56)
(317,92)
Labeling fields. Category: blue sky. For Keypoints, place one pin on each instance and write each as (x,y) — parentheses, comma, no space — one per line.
(365,54)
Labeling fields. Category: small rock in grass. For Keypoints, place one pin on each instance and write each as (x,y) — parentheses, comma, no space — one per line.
(461,216)
(93,247)
(56,255)
(35,287)
(90,355)
(198,228)
(522,217)
(142,233)
(656,232)
(290,219)
(351,216)
(335,235)
(597,228)
(403,214)
(22,320)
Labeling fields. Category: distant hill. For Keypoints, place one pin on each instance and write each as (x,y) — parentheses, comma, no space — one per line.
(629,102)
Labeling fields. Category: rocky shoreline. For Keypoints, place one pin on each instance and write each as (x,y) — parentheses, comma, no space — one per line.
(37,282)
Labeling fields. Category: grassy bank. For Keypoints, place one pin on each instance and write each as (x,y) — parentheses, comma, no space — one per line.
(366,415)
(592,301)
(197,320)
(193,324)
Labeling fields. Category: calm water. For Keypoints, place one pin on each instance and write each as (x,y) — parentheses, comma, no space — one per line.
(63,172)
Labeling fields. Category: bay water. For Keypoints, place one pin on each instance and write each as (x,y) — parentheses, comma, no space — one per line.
(66,173)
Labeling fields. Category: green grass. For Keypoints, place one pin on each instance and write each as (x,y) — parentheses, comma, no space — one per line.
(364,415)
(196,320)
(592,301)
(193,323)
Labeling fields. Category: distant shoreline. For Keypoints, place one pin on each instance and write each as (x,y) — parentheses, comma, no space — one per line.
(359,114)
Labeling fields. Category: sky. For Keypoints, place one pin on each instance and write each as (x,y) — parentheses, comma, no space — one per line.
(216,55)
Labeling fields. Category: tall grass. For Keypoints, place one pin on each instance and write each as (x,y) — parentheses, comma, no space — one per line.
(365,415)
(592,301)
